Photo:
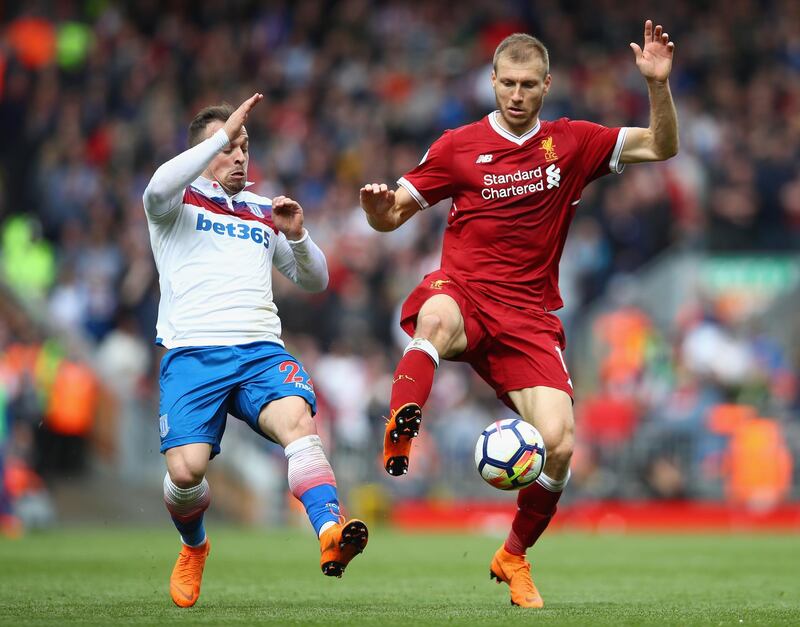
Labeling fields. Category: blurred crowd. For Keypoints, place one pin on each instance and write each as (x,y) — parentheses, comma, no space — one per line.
(95,95)
(705,409)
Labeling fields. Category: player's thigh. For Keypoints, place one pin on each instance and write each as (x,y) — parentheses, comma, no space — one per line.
(187,464)
(276,397)
(441,322)
(194,387)
(287,419)
(550,411)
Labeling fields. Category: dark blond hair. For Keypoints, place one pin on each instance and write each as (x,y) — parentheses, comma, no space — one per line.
(519,48)
(198,125)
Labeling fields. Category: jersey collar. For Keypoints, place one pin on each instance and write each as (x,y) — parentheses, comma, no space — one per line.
(212,189)
(508,135)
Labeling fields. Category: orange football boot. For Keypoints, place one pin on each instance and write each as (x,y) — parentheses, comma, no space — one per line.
(339,544)
(516,572)
(184,584)
(403,426)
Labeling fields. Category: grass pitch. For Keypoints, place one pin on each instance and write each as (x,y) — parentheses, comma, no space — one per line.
(113,576)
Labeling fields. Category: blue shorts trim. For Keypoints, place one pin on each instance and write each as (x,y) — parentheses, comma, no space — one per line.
(201,385)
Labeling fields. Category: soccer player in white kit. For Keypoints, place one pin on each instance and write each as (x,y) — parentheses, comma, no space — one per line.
(215,244)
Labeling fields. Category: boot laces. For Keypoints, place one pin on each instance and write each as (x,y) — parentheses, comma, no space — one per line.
(521,577)
(190,566)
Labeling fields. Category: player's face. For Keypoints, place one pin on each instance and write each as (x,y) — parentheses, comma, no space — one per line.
(229,167)
(519,89)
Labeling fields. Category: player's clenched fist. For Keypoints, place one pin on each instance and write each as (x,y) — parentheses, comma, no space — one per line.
(287,214)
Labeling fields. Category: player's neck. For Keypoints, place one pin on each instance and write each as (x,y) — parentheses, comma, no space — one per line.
(213,181)
(517,131)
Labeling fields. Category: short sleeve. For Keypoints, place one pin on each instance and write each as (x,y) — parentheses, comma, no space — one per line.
(432,180)
(600,148)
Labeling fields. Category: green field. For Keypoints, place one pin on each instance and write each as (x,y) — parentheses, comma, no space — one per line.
(103,577)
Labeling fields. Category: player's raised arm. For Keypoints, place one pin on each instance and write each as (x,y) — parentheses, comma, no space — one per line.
(236,121)
(165,190)
(386,209)
(660,140)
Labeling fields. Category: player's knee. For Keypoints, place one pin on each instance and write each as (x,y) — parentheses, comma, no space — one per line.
(287,419)
(562,451)
(184,476)
(301,425)
(438,329)
(559,438)
(429,325)
(294,425)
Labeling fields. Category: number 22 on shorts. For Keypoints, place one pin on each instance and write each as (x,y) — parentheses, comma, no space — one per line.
(292,368)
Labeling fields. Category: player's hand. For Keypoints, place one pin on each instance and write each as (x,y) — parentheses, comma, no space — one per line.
(287,214)
(234,124)
(655,59)
(376,199)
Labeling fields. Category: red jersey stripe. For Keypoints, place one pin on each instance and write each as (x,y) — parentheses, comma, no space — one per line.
(193,197)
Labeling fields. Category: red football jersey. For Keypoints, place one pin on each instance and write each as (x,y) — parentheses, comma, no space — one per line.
(513,200)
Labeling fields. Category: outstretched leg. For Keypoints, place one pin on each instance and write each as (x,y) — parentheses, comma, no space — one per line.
(439,331)
(288,421)
(411,386)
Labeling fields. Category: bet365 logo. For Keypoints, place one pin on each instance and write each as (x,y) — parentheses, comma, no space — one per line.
(240,230)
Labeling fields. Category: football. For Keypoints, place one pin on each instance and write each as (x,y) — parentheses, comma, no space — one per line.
(510,454)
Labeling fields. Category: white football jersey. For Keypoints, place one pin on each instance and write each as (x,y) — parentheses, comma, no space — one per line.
(215,254)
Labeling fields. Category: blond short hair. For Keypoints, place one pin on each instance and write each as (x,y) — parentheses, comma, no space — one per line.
(520,47)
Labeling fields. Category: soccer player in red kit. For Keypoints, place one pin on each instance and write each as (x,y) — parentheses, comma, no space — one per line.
(515,182)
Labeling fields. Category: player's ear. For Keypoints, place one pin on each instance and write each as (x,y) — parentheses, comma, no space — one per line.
(547,80)
(494,78)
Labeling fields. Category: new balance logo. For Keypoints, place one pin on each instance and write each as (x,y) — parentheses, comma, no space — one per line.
(553,176)
(484,159)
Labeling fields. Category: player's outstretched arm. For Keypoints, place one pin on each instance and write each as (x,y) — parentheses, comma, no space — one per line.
(386,209)
(660,140)
(165,190)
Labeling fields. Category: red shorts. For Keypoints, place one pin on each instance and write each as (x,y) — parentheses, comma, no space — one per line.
(509,348)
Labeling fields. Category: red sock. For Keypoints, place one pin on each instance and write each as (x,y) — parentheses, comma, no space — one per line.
(536,505)
(413,379)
